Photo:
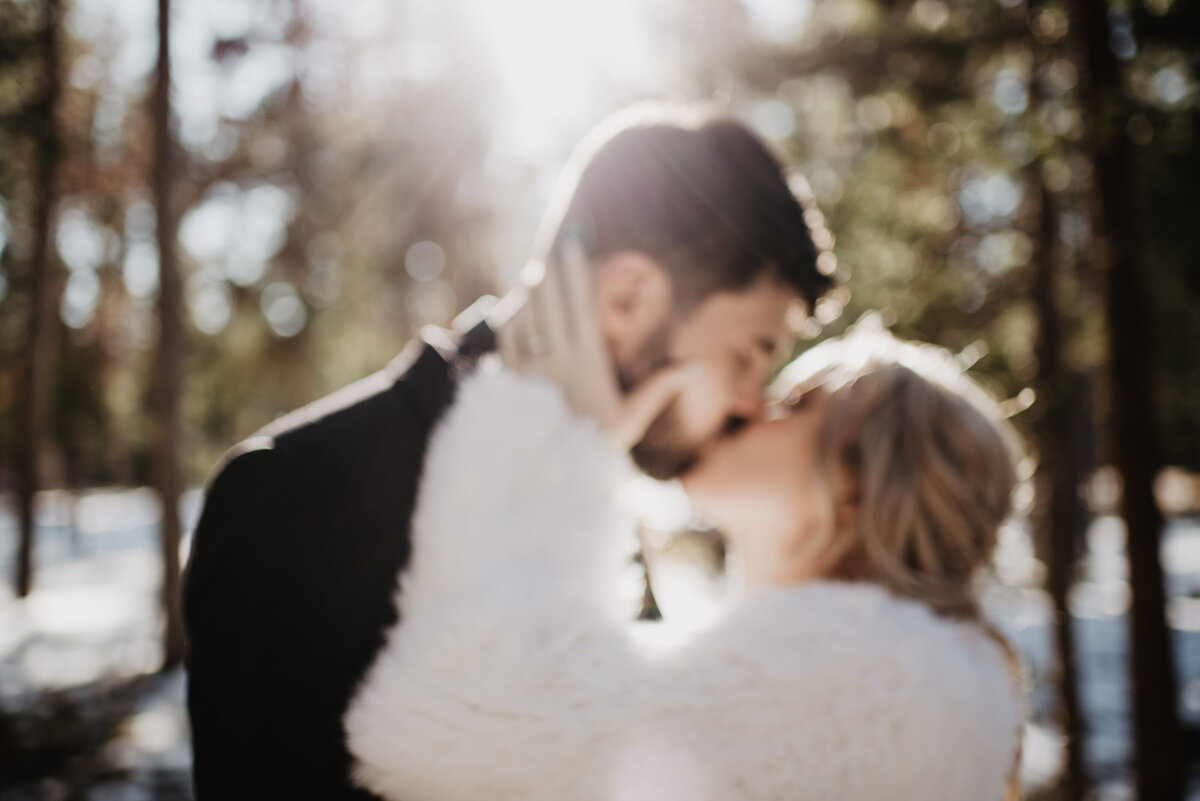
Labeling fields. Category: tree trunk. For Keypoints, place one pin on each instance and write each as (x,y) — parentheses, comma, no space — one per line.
(168,474)
(45,289)
(1116,250)
(1058,517)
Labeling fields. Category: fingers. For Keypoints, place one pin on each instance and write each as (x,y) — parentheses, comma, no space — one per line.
(556,334)
(594,388)
(577,282)
(538,336)
(516,339)
(550,303)
(650,398)
(506,340)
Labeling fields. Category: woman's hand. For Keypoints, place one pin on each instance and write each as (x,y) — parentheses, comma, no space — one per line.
(556,334)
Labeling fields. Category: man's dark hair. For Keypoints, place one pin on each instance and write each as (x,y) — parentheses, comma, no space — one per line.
(698,193)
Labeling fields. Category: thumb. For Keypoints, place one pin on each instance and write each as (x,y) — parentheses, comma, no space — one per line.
(650,398)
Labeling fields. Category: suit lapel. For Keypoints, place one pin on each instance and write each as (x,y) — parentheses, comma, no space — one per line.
(432,377)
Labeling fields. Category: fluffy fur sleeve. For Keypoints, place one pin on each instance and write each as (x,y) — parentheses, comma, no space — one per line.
(517,504)
(518,547)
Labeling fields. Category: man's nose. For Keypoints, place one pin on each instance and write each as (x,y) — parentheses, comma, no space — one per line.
(748,401)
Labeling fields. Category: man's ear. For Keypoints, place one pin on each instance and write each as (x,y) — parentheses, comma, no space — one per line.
(634,298)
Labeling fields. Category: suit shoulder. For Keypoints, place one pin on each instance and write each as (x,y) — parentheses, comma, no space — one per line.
(256,452)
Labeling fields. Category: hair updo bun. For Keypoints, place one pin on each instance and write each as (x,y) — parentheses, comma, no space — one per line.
(929,458)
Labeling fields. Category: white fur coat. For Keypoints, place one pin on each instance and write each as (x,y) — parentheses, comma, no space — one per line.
(516,674)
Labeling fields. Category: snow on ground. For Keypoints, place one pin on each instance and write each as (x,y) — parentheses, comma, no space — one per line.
(93,618)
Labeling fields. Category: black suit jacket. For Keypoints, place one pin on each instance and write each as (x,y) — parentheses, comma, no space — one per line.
(289,587)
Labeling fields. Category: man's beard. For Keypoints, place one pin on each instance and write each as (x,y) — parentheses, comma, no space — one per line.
(662,453)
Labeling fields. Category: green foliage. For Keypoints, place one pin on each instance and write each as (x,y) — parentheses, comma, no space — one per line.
(298,209)
(925,129)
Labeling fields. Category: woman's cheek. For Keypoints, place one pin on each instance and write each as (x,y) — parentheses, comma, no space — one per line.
(715,479)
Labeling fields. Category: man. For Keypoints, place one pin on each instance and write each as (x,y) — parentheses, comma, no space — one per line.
(698,248)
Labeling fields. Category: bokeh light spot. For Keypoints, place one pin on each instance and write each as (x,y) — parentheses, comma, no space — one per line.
(1171,85)
(779,20)
(1010,92)
(283,309)
(930,15)
(773,120)
(80,298)
(140,269)
(210,304)
(425,261)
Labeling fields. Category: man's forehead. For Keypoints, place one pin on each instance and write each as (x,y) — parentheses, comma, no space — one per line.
(764,311)
(772,315)
(762,295)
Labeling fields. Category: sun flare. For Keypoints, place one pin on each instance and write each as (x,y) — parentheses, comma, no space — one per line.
(553,58)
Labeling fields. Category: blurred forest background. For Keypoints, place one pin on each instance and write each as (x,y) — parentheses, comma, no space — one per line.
(215,211)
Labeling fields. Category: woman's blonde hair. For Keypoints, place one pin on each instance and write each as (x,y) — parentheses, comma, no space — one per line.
(930,463)
(927,456)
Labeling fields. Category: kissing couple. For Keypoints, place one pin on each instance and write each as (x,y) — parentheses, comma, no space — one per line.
(412,589)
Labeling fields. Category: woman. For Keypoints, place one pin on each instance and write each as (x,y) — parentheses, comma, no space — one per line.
(855,666)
